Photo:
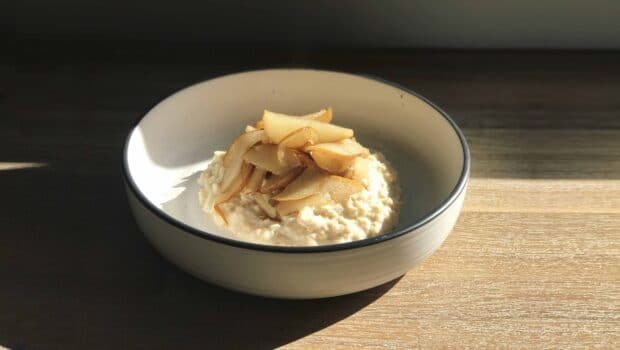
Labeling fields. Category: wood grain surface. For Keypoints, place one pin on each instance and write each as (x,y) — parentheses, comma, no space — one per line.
(534,260)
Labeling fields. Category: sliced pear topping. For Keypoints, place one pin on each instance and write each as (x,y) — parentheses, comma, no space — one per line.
(336,157)
(297,139)
(340,188)
(306,185)
(256,180)
(220,212)
(330,163)
(345,148)
(237,185)
(359,169)
(266,157)
(297,158)
(233,159)
(278,182)
(279,126)
(263,202)
(324,115)
(316,200)
(325,189)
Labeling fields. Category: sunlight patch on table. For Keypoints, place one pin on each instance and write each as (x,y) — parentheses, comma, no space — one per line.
(543,195)
(20,165)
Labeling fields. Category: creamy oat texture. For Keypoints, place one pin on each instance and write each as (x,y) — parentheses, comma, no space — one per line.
(365,214)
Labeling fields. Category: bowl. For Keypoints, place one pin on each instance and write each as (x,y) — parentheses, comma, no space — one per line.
(173,142)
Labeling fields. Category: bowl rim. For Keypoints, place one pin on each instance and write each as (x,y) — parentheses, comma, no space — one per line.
(443,206)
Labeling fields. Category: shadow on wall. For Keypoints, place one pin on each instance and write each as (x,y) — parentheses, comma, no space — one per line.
(345,23)
(81,276)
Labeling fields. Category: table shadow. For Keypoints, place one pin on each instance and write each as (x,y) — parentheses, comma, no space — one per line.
(78,274)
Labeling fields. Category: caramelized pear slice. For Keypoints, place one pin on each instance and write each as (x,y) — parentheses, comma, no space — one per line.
(340,188)
(237,185)
(266,157)
(316,200)
(233,190)
(297,139)
(233,159)
(220,212)
(305,185)
(347,148)
(256,180)
(277,182)
(297,158)
(331,163)
(279,126)
(263,202)
(336,157)
(324,115)
(359,169)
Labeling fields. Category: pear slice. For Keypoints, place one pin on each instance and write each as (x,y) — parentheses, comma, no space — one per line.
(331,163)
(305,185)
(336,157)
(263,202)
(233,159)
(279,126)
(324,115)
(277,182)
(316,200)
(359,169)
(294,158)
(297,139)
(347,148)
(237,185)
(256,180)
(298,158)
(266,157)
(233,190)
(221,213)
(340,188)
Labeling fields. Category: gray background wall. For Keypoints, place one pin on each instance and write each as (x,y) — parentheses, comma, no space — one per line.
(348,23)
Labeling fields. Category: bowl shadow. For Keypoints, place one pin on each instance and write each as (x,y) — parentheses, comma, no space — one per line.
(184,206)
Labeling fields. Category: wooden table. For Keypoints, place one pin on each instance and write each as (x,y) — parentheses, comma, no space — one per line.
(534,260)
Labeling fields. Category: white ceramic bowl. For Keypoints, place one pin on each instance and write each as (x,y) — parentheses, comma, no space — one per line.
(173,142)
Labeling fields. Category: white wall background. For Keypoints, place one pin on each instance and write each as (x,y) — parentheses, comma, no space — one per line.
(348,23)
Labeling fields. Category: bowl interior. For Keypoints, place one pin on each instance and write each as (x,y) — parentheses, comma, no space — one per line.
(176,139)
